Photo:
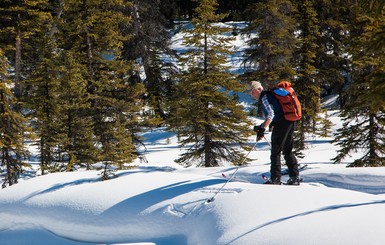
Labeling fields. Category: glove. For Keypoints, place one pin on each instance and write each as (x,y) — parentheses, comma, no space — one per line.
(260,130)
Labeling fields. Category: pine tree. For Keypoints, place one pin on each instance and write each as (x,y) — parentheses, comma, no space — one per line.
(13,129)
(307,82)
(272,45)
(44,104)
(58,103)
(363,115)
(20,21)
(92,33)
(234,9)
(78,140)
(376,45)
(117,115)
(331,61)
(208,119)
(149,41)
(324,125)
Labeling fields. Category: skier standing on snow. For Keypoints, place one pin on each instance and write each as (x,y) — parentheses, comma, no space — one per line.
(281,137)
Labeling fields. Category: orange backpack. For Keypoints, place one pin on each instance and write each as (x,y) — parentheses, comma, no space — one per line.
(288,100)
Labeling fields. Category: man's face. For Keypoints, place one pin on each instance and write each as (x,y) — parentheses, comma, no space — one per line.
(254,93)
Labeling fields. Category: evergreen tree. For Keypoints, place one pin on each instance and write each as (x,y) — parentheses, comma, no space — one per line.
(117,115)
(44,104)
(58,103)
(234,9)
(185,9)
(13,129)
(149,41)
(307,81)
(208,119)
(363,115)
(331,60)
(377,46)
(324,125)
(78,140)
(270,56)
(20,21)
(273,43)
(93,32)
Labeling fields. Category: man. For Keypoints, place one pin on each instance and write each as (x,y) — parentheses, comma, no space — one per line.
(281,137)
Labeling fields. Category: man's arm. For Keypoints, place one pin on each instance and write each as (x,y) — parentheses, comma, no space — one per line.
(270,112)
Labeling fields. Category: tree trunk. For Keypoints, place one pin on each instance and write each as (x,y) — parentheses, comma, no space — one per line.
(18,87)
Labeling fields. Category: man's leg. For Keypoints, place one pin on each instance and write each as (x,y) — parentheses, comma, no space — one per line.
(278,137)
(290,159)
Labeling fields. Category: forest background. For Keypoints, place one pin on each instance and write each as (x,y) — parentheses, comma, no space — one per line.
(82,79)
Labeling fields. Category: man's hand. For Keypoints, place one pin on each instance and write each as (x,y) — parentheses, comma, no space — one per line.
(260,130)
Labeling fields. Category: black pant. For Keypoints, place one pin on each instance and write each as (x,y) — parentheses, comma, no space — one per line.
(282,142)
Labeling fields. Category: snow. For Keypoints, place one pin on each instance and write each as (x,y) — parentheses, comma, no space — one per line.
(161,203)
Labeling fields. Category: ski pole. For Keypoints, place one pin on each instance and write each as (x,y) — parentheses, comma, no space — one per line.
(231,177)
(267,141)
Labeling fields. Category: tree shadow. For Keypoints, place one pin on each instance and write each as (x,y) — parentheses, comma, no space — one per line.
(328,208)
(61,186)
(136,204)
(97,179)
